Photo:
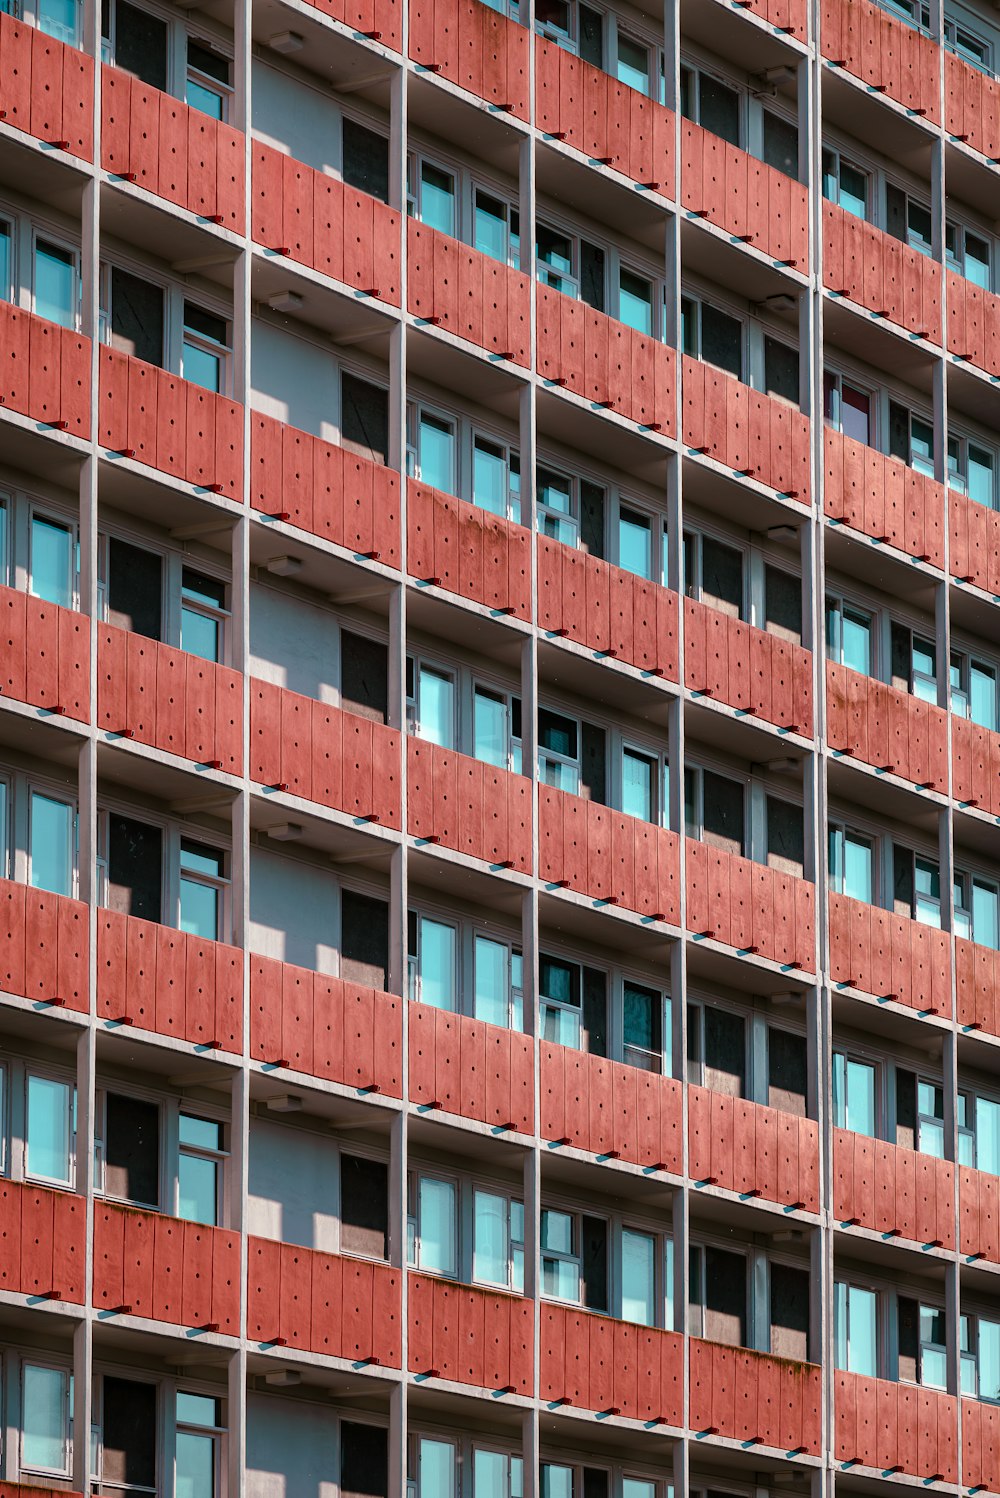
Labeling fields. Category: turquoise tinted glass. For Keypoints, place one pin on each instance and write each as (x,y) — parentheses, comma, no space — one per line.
(436,1469)
(489,1247)
(983,695)
(492,979)
(437,963)
(200,634)
(489,723)
(989,1360)
(195,1466)
(202,367)
(979,480)
(557,1482)
(437,198)
(637,785)
(635,543)
(44,1419)
(437,707)
(55,284)
(437,453)
(51,844)
(437,1226)
(208,100)
(635,302)
(638,1277)
(490,229)
(5,263)
(52,549)
(49,1105)
(633,64)
(857,636)
(60,18)
(198,1189)
(984,914)
(489,477)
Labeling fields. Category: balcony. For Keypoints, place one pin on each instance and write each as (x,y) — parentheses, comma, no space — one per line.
(324,754)
(759,911)
(323,489)
(45,651)
(176,152)
(607,609)
(34,1490)
(608,856)
(753,1150)
(898,1192)
(603,360)
(609,1109)
(890,956)
(468,805)
(881,273)
(379,20)
(44,940)
(886,55)
(47,88)
(163,1269)
(783,15)
(975,543)
(977,986)
(971,105)
(323,1303)
(169,982)
(887,728)
(470,1336)
(468,551)
(978,1214)
(883,498)
(749,199)
(746,431)
(44,1236)
(474,47)
(973,315)
(45,373)
(614,1367)
(747,668)
(464,1066)
(754,1398)
(975,765)
(318,221)
(170,424)
(980,1445)
(895,1427)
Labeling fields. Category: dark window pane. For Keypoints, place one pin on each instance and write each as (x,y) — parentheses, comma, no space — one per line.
(135,868)
(895,217)
(364,418)
(206,60)
(595,1263)
(781,144)
(141,44)
(725,1051)
(591,36)
(595,1011)
(899,431)
(559,980)
(364,667)
(366,160)
(909,1338)
(785,844)
(789,1312)
(783,604)
(593,764)
(134,584)
(786,1071)
(364,951)
(592,518)
(906,1108)
(721,340)
(722,577)
(364,1206)
(206,324)
(592,275)
(723,812)
(725,1297)
(129,1433)
(136,316)
(132,1150)
(364,1460)
(781,370)
(556,733)
(720,109)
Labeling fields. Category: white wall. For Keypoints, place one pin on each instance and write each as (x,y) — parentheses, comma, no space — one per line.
(294,380)
(291,1448)
(296,118)
(293,911)
(293,1185)
(293,643)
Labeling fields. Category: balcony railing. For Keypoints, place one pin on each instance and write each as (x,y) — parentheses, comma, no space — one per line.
(164,1269)
(44,655)
(467,805)
(755,1398)
(883,498)
(462,1065)
(470,1336)
(884,53)
(607,609)
(890,956)
(899,1192)
(594,1362)
(752,1149)
(610,1109)
(44,1235)
(47,87)
(759,911)
(971,105)
(887,728)
(45,371)
(747,668)
(977,986)
(607,855)
(467,293)
(975,543)
(881,273)
(169,981)
(895,1427)
(324,1303)
(972,317)
(475,47)
(605,361)
(468,550)
(749,199)
(751,433)
(979,1214)
(44,941)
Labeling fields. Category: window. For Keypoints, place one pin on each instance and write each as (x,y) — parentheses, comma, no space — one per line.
(433,947)
(844,183)
(781,370)
(911,438)
(496,228)
(908,219)
(498,982)
(434,1475)
(559,1001)
(711,103)
(718,1291)
(602,1265)
(930,1118)
(203,614)
(713,573)
(199,1430)
(364,418)
(56,291)
(638,1258)
(365,160)
(496,478)
(570,510)
(976,910)
(432,1225)
(635,542)
(45,1419)
(208,80)
(199,1169)
(855,1343)
(974,689)
(205,352)
(135,41)
(645,786)
(130,1147)
(52,560)
(968,254)
(61,19)
(364,1206)
(971,470)
(714,809)
(847,409)
(51,845)
(132,314)
(433,451)
(966,44)
(558,754)
(713,335)
(717,1049)
(202,887)
(51,1130)
(780,143)
(430,697)
(853,1094)
(633,64)
(785,836)
(496,728)
(431,195)
(498,1240)
(635,301)
(128,1430)
(914,663)
(6,263)
(646,1028)
(852,864)
(849,636)
(979,1342)
(933,1364)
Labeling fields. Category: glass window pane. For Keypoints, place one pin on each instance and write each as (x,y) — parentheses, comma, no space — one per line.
(436,707)
(490,1253)
(199,909)
(984,914)
(861,1331)
(195,1466)
(857,635)
(436,1468)
(988,1135)
(557,1231)
(201,367)
(198,1189)
(855,413)
(49,1129)
(638,1487)
(979,476)
(635,302)
(557,1482)
(60,18)
(858,856)
(5,262)
(55,283)
(853,190)
(52,558)
(492,979)
(635,543)
(437,198)
(437,453)
(51,844)
(989,1359)
(200,634)
(437,963)
(489,725)
(490,227)
(45,1419)
(633,64)
(638,780)
(437,1225)
(204,1133)
(208,100)
(489,1474)
(638,1277)
(489,477)
(983,695)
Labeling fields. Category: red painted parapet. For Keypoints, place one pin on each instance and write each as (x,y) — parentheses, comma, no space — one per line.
(980,1446)
(605,119)
(893,1190)
(749,199)
(881,273)
(379,20)
(755,1150)
(887,728)
(324,489)
(47,88)
(973,321)
(468,805)
(608,855)
(886,54)
(464,1066)
(606,608)
(975,543)
(746,905)
(467,293)
(324,754)
(754,434)
(608,1108)
(185,431)
(755,1398)
(474,46)
(33,1490)
(784,15)
(971,105)
(470,1336)
(748,668)
(614,1367)
(43,946)
(44,655)
(882,497)
(179,153)
(318,221)
(44,1236)
(169,981)
(323,1303)
(890,956)
(468,551)
(977,986)
(158,1267)
(605,361)
(44,370)
(895,1427)
(978,1214)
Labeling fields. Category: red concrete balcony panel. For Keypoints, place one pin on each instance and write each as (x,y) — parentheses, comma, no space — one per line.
(975,765)
(746,197)
(169,981)
(753,434)
(178,427)
(33,1490)
(379,20)
(895,1427)
(467,293)
(980,1446)
(893,1190)
(890,956)
(324,1303)
(882,497)
(44,370)
(44,655)
(784,15)
(605,119)
(746,905)
(163,1269)
(170,700)
(470,1336)
(881,273)
(468,805)
(973,321)
(975,543)
(885,54)
(614,1367)
(475,47)
(44,1236)
(468,551)
(464,1066)
(605,361)
(609,610)
(753,1397)
(325,1026)
(971,105)
(887,728)
(325,754)
(318,221)
(977,986)
(752,1149)
(608,1108)
(324,489)
(978,1214)
(748,668)
(47,88)
(607,855)
(43,947)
